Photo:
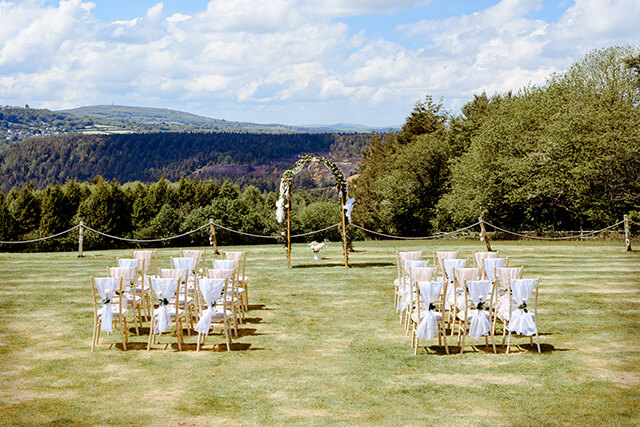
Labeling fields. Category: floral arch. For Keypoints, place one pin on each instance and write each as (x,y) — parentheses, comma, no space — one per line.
(283,205)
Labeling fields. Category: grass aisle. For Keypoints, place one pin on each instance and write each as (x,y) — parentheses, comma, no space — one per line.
(322,345)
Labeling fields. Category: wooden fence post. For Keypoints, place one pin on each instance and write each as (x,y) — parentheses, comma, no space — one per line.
(483,234)
(627,233)
(212,237)
(80,239)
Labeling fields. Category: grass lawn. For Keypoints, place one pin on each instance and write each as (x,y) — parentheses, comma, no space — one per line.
(322,345)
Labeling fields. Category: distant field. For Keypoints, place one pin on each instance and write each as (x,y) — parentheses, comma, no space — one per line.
(322,345)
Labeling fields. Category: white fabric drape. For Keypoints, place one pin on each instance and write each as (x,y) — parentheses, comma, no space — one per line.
(479,291)
(428,327)
(280,210)
(522,320)
(128,263)
(107,289)
(451,264)
(349,208)
(224,264)
(406,296)
(211,290)
(165,289)
(490,265)
(184,263)
(146,256)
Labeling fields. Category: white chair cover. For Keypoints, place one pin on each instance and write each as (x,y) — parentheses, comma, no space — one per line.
(224,264)
(481,256)
(522,321)
(211,290)
(146,256)
(128,263)
(406,291)
(184,263)
(490,264)
(479,291)
(165,289)
(451,264)
(428,327)
(107,289)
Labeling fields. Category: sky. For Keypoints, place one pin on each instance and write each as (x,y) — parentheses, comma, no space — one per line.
(295,61)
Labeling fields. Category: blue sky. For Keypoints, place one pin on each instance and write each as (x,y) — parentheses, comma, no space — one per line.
(294,61)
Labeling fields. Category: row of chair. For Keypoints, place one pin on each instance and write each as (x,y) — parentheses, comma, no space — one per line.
(188,295)
(454,297)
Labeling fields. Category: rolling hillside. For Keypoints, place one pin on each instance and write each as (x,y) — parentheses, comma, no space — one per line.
(246,158)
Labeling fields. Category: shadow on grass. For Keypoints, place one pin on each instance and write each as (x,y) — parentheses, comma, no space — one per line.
(173,346)
(354,265)
(500,349)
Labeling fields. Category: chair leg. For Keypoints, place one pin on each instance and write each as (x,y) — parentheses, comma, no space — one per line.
(125,333)
(151,332)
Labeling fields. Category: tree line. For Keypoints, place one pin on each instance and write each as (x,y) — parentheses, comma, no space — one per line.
(564,155)
(150,211)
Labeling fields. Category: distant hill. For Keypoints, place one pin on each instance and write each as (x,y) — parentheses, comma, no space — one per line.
(168,117)
(17,123)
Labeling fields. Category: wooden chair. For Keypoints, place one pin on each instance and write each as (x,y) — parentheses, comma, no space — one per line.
(406,296)
(430,317)
(108,309)
(186,301)
(129,279)
(420,273)
(401,281)
(243,282)
(475,317)
(167,291)
(503,291)
(523,310)
(214,310)
(230,297)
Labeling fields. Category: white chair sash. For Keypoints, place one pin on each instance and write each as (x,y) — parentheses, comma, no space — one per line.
(428,327)
(211,290)
(490,264)
(479,291)
(106,287)
(165,289)
(451,264)
(224,264)
(522,321)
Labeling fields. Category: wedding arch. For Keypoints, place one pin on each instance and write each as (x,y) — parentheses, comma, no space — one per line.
(283,205)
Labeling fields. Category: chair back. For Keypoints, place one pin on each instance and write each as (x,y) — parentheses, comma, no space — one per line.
(490,266)
(464,274)
(401,257)
(196,254)
(449,265)
(504,275)
(128,275)
(440,256)
(149,258)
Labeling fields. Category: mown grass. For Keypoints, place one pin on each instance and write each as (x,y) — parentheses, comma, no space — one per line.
(322,345)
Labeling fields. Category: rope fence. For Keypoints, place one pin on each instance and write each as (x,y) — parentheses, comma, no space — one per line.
(626,221)
(526,236)
(435,236)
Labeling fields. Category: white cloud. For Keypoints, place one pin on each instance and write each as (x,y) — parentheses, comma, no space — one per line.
(278,60)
